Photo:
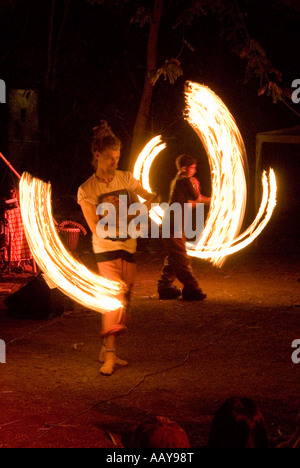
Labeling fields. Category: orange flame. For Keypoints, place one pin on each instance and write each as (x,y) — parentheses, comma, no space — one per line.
(217,130)
(58,266)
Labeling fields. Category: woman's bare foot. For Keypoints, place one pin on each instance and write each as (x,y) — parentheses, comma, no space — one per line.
(110,360)
(109,364)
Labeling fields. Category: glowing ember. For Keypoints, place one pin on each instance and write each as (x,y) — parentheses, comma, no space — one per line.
(224,145)
(58,266)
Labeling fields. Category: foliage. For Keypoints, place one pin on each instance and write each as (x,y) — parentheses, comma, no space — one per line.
(193,9)
(171,70)
(142,16)
(260,66)
(184,14)
(107,2)
(7,5)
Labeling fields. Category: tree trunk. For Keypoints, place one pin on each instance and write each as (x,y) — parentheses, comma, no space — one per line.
(46,101)
(58,43)
(50,48)
(141,123)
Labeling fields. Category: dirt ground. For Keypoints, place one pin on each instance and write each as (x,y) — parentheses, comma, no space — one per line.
(185,358)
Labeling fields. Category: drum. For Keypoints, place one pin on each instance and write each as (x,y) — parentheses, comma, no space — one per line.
(71,232)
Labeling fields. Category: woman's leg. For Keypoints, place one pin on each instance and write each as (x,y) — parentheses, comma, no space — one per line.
(113,323)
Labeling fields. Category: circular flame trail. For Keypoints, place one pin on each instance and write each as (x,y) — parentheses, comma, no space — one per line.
(58,266)
(216,128)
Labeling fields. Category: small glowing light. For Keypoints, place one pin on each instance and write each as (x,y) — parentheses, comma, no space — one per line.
(58,266)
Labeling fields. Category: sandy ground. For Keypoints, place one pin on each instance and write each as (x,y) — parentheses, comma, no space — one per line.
(185,358)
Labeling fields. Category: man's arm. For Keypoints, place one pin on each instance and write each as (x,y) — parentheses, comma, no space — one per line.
(149,197)
(200,199)
(294,440)
(90,215)
(197,196)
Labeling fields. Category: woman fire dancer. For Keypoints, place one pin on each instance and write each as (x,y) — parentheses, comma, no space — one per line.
(114,256)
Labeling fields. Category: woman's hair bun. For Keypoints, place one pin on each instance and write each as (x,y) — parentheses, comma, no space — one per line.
(102,130)
(104,138)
